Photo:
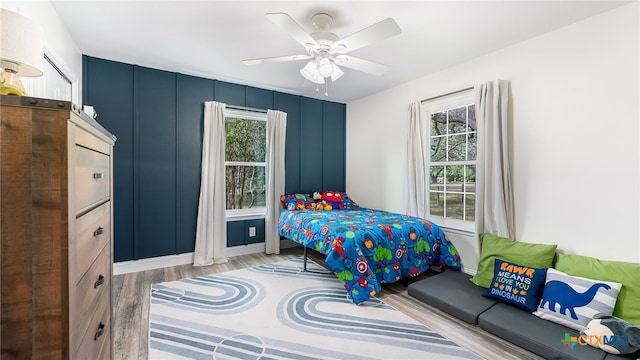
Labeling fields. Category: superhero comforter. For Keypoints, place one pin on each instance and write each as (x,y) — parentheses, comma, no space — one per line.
(366,247)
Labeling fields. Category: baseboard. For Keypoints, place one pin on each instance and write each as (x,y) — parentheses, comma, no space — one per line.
(125,267)
(469,271)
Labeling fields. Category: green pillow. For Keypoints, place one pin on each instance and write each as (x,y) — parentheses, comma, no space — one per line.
(524,254)
(628,274)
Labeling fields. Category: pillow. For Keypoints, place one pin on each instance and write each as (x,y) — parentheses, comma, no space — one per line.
(573,301)
(347,202)
(626,273)
(297,201)
(525,254)
(516,285)
(339,200)
(612,335)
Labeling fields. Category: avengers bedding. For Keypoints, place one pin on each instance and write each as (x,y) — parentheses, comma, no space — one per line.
(367,247)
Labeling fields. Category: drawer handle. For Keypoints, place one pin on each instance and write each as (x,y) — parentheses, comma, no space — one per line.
(99,332)
(99,231)
(99,282)
(97,176)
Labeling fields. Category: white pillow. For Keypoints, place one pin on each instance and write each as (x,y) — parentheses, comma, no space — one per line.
(573,301)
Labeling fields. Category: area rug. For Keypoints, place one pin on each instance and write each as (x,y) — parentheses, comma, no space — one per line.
(278,311)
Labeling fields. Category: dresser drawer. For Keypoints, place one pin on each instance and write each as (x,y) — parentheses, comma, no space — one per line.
(98,335)
(89,140)
(92,233)
(91,291)
(91,177)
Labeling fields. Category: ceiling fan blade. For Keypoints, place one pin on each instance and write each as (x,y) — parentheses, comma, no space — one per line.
(286,23)
(361,64)
(276,59)
(367,36)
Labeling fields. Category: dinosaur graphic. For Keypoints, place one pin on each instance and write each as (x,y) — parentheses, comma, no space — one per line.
(558,292)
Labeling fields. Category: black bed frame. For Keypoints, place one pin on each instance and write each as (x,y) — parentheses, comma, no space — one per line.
(304,266)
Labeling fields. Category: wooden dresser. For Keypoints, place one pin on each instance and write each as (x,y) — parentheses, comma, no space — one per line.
(56,246)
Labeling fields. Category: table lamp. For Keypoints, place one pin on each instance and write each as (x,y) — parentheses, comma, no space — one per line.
(21,51)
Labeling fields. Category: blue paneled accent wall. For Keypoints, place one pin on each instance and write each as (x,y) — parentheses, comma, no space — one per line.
(157,117)
(155,203)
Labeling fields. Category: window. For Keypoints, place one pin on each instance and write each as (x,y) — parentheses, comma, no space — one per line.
(452,159)
(245,166)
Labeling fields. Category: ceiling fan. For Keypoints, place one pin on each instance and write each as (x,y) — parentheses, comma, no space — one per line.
(326,50)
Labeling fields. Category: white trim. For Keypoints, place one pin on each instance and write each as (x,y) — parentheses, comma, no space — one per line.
(245,249)
(237,216)
(445,103)
(454,230)
(125,267)
(61,65)
(246,163)
(244,114)
(448,224)
(469,271)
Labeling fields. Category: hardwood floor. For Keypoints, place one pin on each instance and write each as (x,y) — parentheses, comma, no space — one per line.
(131,309)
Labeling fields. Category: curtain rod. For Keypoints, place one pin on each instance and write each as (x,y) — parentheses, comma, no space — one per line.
(447,94)
(246,108)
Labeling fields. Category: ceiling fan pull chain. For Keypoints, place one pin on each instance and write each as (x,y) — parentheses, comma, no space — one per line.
(326,88)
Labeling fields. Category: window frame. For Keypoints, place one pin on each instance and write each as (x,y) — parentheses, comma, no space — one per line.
(251,213)
(464,98)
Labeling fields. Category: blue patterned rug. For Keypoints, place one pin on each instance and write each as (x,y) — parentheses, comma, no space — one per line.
(277,311)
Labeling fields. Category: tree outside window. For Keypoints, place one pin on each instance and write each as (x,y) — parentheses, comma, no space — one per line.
(245,166)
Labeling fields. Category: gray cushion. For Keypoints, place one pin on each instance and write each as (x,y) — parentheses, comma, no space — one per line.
(635,355)
(453,293)
(539,336)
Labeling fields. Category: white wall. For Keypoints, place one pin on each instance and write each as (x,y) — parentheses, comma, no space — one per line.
(58,44)
(576,133)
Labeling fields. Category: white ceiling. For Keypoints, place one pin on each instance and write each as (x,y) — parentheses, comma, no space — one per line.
(210,38)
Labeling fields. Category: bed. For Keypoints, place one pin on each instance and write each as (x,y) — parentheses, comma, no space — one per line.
(366,247)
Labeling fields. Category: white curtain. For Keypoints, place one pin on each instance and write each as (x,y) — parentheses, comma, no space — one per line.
(211,230)
(416,180)
(494,193)
(276,135)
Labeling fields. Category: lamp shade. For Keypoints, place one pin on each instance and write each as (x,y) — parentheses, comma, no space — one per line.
(310,72)
(324,67)
(21,45)
(336,73)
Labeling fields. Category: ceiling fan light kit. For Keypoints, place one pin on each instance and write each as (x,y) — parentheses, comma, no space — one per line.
(336,73)
(326,50)
(324,67)
(310,72)
(316,72)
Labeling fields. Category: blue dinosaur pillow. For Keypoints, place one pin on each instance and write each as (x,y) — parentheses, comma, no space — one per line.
(573,301)
(516,285)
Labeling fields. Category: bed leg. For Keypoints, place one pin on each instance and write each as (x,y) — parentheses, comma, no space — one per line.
(304,266)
